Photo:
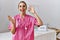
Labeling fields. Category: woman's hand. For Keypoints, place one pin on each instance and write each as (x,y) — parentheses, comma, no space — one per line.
(11,19)
(13,24)
(31,9)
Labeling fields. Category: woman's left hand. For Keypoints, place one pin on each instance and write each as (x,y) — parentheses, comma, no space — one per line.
(31,9)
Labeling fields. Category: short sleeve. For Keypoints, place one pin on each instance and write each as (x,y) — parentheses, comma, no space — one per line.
(35,21)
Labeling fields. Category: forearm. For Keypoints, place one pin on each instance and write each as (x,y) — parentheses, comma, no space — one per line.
(38,19)
(13,29)
(31,9)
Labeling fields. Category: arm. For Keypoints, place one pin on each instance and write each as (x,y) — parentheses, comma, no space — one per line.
(13,29)
(38,19)
(12,24)
(31,9)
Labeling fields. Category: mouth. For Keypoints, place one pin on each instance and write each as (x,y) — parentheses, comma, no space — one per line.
(22,10)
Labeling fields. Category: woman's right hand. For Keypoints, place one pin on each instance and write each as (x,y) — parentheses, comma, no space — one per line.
(13,24)
(11,19)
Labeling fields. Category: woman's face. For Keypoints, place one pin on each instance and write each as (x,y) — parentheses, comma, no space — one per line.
(22,7)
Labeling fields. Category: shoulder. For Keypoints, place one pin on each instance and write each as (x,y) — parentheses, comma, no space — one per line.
(31,17)
(16,16)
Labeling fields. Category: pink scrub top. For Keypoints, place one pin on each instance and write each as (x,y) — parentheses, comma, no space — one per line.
(24,28)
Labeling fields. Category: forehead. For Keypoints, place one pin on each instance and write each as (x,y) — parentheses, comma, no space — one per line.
(21,3)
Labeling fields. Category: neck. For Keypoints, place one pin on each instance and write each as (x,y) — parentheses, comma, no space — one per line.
(23,14)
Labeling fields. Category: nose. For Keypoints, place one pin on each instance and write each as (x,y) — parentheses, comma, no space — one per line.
(22,7)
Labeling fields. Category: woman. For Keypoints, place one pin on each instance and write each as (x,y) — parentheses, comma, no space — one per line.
(22,25)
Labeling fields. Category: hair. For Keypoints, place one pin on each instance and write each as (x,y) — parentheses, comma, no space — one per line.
(22,2)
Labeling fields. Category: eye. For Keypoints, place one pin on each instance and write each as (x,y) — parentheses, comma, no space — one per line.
(23,5)
(20,5)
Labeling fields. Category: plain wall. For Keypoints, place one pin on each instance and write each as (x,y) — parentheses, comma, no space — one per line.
(48,11)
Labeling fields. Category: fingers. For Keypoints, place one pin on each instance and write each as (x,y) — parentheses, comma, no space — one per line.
(31,9)
(11,19)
